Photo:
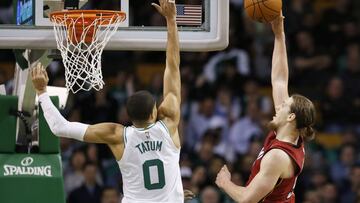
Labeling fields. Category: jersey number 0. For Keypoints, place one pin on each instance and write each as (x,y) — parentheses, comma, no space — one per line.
(146,172)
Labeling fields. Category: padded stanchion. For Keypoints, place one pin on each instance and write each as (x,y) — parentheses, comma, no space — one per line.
(7,123)
(33,178)
(48,142)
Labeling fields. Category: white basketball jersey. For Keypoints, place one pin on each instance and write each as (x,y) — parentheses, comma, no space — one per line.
(150,166)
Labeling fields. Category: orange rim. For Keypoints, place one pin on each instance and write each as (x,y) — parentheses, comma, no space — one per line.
(88,15)
(103,18)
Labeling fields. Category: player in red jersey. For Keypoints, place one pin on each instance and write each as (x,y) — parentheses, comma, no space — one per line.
(274,173)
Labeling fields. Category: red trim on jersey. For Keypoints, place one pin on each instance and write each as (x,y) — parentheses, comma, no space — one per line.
(283,191)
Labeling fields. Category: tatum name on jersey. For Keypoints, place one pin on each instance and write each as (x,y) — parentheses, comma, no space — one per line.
(149,146)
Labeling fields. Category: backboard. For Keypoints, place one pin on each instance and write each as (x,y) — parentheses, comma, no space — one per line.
(203,24)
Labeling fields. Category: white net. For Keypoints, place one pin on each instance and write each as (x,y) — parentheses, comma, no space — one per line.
(81,39)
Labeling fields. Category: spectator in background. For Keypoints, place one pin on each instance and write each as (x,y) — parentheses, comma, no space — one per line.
(205,152)
(90,191)
(186,104)
(123,88)
(156,86)
(213,69)
(296,12)
(318,179)
(252,94)
(110,195)
(312,196)
(329,194)
(351,74)
(216,164)
(186,174)
(73,175)
(199,179)
(349,65)
(227,105)
(332,21)
(123,117)
(210,195)
(224,74)
(96,106)
(218,131)
(351,32)
(311,65)
(350,188)
(199,121)
(246,129)
(92,155)
(341,168)
(335,108)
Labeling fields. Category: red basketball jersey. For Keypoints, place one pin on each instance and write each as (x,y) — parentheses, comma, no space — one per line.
(283,191)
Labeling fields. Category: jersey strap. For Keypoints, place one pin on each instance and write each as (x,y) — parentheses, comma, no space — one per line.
(124,137)
(163,124)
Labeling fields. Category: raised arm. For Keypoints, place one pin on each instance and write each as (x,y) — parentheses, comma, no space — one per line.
(107,133)
(169,110)
(280,68)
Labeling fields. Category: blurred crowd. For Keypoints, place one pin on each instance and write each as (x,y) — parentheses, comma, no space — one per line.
(226,103)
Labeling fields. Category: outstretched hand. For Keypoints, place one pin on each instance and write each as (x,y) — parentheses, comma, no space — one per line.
(167,8)
(277,25)
(40,78)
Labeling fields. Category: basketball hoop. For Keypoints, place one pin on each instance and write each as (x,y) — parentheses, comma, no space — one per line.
(81,36)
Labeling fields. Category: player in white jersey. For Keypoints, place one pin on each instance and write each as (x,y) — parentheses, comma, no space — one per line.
(147,152)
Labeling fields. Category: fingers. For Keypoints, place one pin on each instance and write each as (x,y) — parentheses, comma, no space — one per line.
(32,72)
(157,7)
(45,74)
(38,71)
(162,2)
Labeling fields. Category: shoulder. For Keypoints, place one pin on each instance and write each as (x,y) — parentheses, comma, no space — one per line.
(118,134)
(119,130)
(276,159)
(296,152)
(164,123)
(276,155)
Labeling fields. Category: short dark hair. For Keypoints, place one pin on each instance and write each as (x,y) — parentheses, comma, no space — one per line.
(140,105)
(305,113)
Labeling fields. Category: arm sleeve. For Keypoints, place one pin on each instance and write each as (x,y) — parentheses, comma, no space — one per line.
(58,124)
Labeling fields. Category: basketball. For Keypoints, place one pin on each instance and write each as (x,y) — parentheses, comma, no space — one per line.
(263,10)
